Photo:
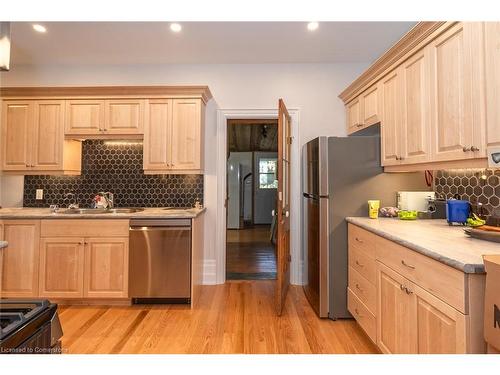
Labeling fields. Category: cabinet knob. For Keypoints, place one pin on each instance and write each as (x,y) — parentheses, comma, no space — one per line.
(359,264)
(407,265)
(359,125)
(357,239)
(401,158)
(397,157)
(466,149)
(474,149)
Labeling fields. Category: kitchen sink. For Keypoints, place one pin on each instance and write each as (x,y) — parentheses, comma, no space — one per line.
(94,211)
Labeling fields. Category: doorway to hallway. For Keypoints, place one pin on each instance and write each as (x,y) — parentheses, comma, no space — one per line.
(252,184)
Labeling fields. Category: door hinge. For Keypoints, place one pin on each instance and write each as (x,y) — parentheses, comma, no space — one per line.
(289,258)
(289,140)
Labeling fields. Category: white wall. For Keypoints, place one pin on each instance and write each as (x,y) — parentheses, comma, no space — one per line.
(312,88)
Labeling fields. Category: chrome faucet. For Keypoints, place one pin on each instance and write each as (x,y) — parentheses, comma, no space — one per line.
(108,197)
(74,204)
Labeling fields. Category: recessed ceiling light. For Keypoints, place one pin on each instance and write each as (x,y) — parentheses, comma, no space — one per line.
(311,26)
(175,27)
(39,28)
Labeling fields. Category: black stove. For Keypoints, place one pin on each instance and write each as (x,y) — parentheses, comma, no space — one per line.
(29,326)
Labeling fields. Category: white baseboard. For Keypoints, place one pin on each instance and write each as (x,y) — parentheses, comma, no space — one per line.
(209,272)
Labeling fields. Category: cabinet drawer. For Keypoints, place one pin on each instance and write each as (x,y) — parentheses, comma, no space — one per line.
(444,282)
(363,289)
(85,228)
(362,315)
(364,264)
(362,239)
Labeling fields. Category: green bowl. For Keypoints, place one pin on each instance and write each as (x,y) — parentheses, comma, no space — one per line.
(408,215)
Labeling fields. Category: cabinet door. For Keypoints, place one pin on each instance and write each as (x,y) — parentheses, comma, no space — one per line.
(106,268)
(124,116)
(395,313)
(84,117)
(158,134)
(440,328)
(370,104)
(61,267)
(354,115)
(415,132)
(391,92)
(492,74)
(48,135)
(17,119)
(186,134)
(20,258)
(451,94)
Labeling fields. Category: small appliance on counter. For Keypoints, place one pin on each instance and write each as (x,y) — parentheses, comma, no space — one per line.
(436,208)
(414,200)
(457,211)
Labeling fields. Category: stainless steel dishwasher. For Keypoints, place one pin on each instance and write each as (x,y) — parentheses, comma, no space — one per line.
(160,260)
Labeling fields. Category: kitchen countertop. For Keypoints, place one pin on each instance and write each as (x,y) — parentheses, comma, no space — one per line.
(433,238)
(148,213)
(3,244)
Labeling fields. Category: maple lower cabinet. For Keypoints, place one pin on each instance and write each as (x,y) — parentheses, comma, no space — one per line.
(33,139)
(395,313)
(78,263)
(106,267)
(422,305)
(61,267)
(20,259)
(492,73)
(173,137)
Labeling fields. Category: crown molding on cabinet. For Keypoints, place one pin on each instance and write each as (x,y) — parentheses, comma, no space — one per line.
(418,36)
(106,91)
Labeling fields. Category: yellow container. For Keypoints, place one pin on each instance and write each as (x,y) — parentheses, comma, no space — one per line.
(373,206)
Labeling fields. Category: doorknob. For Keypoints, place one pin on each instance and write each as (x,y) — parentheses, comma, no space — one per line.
(286,214)
(273,213)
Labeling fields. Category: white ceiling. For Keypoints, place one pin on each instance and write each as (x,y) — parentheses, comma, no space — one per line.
(202,42)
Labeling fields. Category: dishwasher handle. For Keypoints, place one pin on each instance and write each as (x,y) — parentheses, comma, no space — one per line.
(159,229)
(160,223)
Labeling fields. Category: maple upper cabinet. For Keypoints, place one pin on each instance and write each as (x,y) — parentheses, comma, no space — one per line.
(173,137)
(20,258)
(124,116)
(455,70)
(415,124)
(364,110)
(391,93)
(492,74)
(33,139)
(17,117)
(84,116)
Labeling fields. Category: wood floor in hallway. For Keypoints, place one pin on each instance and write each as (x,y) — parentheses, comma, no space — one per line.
(236,317)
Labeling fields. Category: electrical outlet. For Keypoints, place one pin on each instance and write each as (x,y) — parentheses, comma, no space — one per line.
(39,194)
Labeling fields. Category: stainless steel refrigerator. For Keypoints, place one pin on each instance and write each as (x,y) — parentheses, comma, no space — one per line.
(340,174)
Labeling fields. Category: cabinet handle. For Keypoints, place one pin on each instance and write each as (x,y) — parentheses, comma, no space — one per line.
(359,125)
(401,158)
(27,165)
(357,239)
(408,291)
(401,287)
(397,157)
(105,129)
(357,312)
(80,243)
(407,265)
(474,149)
(359,264)
(85,243)
(466,149)
(358,288)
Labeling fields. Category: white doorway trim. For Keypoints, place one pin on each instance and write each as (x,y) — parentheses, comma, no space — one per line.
(220,237)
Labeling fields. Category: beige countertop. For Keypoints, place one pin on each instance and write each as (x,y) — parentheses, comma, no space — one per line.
(148,213)
(433,238)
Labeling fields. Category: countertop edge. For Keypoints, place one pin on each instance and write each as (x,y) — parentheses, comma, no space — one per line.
(464,267)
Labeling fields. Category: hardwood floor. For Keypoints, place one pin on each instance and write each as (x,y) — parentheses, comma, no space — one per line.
(250,255)
(237,317)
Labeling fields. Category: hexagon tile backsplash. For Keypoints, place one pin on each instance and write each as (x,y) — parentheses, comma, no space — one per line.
(115,167)
(475,185)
